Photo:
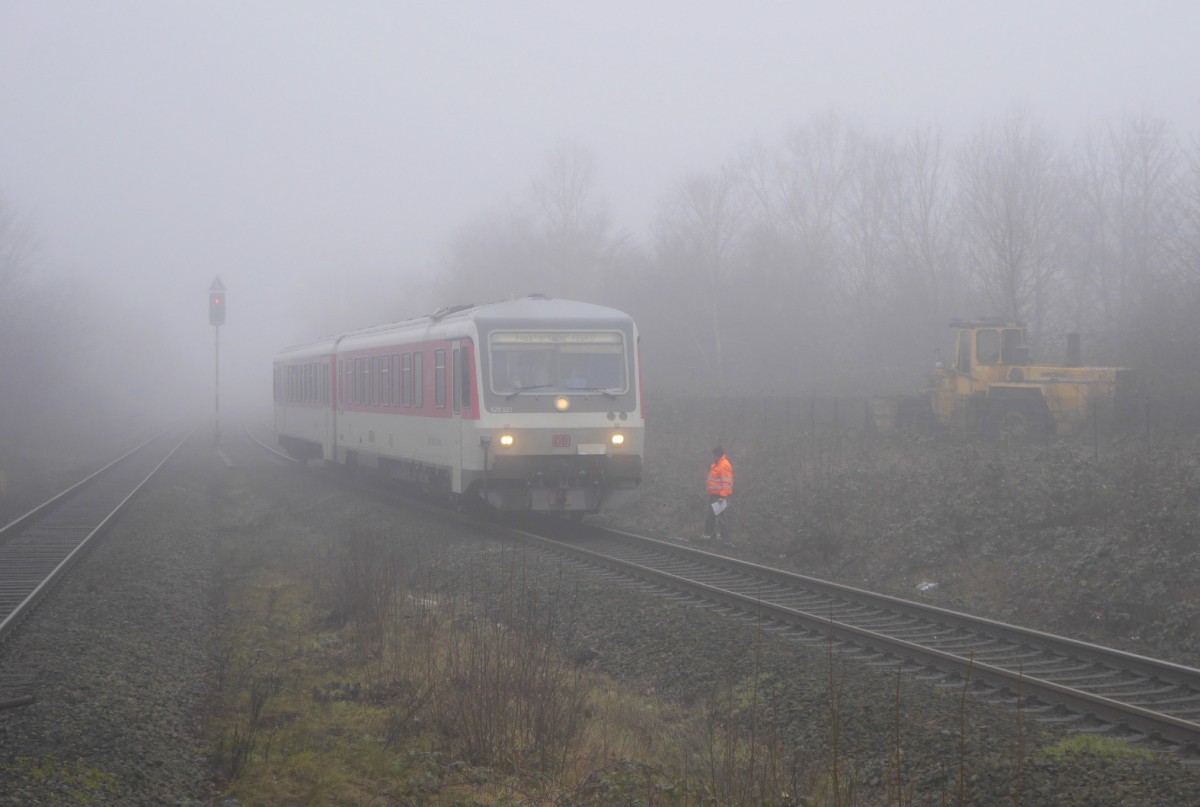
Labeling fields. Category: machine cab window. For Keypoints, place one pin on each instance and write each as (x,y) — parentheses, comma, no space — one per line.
(962,361)
(987,346)
(1013,349)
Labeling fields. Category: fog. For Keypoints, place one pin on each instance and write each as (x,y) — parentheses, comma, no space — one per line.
(339,165)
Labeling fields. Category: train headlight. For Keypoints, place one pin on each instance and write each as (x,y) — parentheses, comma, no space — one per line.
(618,439)
(507,440)
(562,403)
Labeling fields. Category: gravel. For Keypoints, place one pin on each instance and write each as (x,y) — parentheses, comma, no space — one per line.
(116,658)
(119,661)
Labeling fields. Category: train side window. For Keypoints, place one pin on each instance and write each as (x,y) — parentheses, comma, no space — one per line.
(374,381)
(439,378)
(418,379)
(407,375)
(395,379)
(987,346)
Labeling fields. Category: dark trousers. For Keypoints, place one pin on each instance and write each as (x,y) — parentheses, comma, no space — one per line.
(714,524)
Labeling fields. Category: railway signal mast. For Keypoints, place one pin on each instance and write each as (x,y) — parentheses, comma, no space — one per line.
(216,317)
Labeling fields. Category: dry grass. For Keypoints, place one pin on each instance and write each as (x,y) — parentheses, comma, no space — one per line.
(354,678)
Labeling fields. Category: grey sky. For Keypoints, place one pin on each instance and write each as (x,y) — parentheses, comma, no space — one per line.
(159,143)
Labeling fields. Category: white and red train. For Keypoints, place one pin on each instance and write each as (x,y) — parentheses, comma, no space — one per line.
(528,404)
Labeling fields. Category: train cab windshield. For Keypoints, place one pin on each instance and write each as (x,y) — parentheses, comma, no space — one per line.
(556,361)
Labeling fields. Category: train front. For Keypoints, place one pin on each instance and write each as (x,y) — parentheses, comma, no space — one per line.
(561,426)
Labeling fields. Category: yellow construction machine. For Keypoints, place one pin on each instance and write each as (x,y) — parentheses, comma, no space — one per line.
(991,386)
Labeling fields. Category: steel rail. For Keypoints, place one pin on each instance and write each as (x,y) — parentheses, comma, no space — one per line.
(36,551)
(937,621)
(20,521)
(272,449)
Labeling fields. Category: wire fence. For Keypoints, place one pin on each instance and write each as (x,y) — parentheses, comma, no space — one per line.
(1146,419)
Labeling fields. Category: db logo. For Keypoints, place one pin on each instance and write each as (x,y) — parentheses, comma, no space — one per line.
(561,441)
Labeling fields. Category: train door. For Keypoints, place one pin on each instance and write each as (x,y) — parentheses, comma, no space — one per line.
(452,389)
(328,396)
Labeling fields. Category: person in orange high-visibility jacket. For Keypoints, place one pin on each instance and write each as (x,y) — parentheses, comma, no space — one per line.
(719,488)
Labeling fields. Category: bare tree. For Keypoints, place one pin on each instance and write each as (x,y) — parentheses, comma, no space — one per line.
(1164,206)
(820,162)
(925,241)
(555,240)
(1127,175)
(1013,201)
(42,326)
(697,236)
(577,245)
(494,257)
(19,320)
(1189,245)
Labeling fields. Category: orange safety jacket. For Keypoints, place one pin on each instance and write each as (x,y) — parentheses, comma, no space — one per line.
(720,478)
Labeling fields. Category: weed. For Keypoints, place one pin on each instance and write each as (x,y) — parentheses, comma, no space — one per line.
(1096,746)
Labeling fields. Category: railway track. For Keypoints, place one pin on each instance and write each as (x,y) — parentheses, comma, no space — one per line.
(38,548)
(1052,678)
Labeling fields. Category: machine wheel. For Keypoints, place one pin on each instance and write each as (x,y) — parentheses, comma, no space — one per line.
(1018,420)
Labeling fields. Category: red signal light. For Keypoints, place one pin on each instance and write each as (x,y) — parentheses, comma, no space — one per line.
(216,308)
